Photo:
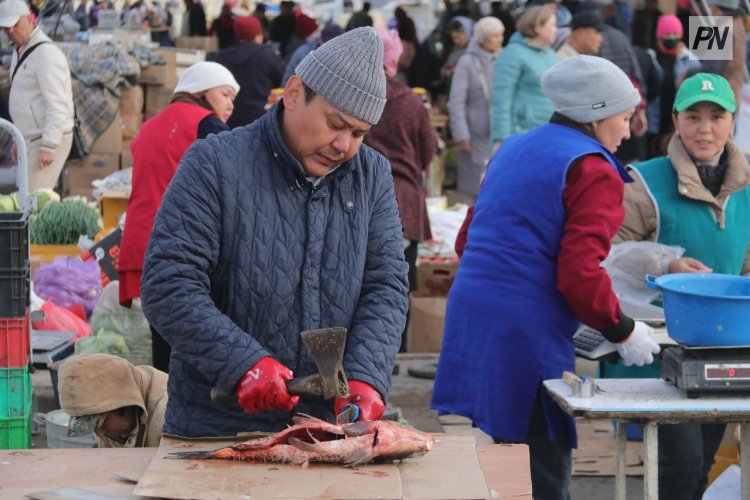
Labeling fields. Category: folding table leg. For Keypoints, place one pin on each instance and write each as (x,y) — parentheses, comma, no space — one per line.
(650,461)
(620,460)
(745,459)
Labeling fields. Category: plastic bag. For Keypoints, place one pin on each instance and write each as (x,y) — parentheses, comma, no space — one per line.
(69,280)
(61,319)
(629,262)
(445,222)
(130,322)
(104,342)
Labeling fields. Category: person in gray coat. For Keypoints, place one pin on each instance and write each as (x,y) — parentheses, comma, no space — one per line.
(469,103)
(285,225)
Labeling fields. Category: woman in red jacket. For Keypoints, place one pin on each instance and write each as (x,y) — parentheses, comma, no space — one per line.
(201,105)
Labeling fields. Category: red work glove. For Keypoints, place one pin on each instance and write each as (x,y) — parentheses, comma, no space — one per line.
(371,406)
(263,387)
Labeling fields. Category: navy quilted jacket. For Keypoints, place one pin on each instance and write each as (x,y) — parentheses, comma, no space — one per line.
(245,254)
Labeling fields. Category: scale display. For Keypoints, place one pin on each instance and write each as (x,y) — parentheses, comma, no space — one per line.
(727,371)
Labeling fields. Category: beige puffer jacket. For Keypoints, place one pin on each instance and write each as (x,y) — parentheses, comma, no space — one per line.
(641,219)
(96,383)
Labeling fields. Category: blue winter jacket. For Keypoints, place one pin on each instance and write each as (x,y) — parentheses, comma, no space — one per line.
(245,253)
(518,103)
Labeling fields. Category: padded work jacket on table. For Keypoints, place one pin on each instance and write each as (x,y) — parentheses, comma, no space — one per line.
(245,254)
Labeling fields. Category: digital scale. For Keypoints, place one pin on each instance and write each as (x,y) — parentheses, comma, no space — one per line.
(707,370)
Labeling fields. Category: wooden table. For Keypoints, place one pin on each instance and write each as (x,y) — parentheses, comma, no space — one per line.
(651,402)
(114,472)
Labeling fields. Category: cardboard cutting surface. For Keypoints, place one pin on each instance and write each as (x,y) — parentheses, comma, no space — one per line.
(450,470)
(91,469)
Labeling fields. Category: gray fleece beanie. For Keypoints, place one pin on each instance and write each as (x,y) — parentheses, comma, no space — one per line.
(587,89)
(348,72)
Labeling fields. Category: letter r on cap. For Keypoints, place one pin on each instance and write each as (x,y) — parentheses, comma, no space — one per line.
(706,86)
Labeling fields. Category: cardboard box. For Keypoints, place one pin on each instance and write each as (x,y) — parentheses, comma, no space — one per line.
(158,97)
(107,252)
(205,43)
(131,124)
(110,141)
(435,277)
(112,206)
(161,74)
(131,110)
(78,174)
(187,57)
(450,470)
(132,100)
(426,322)
(126,160)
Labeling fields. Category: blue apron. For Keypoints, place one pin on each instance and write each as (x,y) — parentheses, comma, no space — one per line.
(507,327)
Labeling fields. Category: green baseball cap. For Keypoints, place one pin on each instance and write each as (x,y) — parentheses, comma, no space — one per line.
(705,87)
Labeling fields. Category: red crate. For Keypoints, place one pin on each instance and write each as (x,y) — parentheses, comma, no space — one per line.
(14,342)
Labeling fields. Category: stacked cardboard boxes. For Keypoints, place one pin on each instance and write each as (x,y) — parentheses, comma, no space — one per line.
(428,302)
(111,151)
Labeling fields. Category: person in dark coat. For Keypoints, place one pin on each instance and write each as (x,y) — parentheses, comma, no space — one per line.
(286,225)
(223,27)
(196,18)
(360,18)
(405,136)
(260,14)
(255,66)
(282,27)
(305,31)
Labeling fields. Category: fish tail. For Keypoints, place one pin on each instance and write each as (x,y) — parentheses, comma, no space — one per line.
(190,455)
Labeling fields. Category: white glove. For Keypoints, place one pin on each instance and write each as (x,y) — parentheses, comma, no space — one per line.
(639,348)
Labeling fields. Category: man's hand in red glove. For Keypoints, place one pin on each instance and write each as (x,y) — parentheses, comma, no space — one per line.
(263,387)
(371,406)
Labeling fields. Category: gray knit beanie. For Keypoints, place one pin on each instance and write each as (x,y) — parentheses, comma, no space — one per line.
(587,89)
(348,72)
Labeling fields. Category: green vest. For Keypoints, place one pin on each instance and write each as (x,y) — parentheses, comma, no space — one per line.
(692,225)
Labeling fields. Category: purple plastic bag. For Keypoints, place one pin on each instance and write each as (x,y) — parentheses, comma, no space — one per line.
(69,280)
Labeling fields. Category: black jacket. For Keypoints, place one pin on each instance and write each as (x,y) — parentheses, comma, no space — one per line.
(257,69)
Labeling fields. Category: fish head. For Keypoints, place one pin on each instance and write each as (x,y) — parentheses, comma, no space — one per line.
(395,441)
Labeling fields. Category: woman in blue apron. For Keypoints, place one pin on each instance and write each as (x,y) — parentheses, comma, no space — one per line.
(530,272)
(697,197)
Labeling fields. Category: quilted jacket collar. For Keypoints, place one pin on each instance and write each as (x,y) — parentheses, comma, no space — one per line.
(292,169)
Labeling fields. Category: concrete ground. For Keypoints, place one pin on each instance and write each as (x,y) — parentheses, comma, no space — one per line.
(411,395)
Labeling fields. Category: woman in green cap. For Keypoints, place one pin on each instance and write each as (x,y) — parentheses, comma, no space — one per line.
(696,197)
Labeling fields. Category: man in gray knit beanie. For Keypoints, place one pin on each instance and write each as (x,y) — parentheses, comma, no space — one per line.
(348,72)
(344,81)
(287,224)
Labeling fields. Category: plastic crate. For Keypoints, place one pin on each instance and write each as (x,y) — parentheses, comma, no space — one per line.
(14,293)
(15,392)
(15,433)
(14,241)
(14,342)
